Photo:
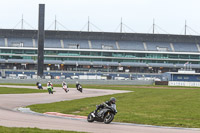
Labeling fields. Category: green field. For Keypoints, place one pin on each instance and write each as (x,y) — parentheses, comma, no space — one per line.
(164,106)
(7,90)
(44,85)
(31,130)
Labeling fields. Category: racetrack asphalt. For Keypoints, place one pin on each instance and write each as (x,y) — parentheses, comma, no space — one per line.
(9,117)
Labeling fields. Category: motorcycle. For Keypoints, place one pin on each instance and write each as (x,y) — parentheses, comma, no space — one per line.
(65,88)
(79,88)
(105,115)
(40,86)
(49,88)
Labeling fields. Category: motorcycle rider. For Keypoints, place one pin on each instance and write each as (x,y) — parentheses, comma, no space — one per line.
(111,103)
(77,84)
(64,83)
(50,84)
(39,85)
(64,86)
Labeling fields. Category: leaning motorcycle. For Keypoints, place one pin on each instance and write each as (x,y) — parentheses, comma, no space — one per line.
(40,86)
(105,115)
(49,88)
(65,88)
(79,88)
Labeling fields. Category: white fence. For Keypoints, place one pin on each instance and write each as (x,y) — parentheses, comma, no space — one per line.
(182,83)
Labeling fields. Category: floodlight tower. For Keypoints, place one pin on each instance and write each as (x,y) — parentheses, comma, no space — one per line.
(121,26)
(55,22)
(185,27)
(22,25)
(153,26)
(88,24)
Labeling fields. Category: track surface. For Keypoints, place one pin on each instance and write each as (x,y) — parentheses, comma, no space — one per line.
(11,118)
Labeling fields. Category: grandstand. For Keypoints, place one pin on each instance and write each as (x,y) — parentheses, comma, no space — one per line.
(100,51)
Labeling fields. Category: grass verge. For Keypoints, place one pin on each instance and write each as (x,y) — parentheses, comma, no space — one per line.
(126,87)
(7,90)
(153,106)
(44,85)
(31,130)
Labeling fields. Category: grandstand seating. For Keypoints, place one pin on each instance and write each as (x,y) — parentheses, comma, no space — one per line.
(76,44)
(101,44)
(131,45)
(104,44)
(185,47)
(100,52)
(2,42)
(158,46)
(52,43)
(20,42)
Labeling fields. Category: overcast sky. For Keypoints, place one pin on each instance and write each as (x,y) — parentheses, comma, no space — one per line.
(105,15)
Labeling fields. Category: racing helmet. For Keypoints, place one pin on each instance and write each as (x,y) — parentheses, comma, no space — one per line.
(112,100)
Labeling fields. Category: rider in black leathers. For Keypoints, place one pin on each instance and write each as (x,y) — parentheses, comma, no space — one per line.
(77,84)
(111,103)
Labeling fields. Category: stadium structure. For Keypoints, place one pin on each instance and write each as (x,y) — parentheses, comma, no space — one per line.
(100,51)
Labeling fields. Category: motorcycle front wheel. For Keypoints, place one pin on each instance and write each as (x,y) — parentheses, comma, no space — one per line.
(90,117)
(108,118)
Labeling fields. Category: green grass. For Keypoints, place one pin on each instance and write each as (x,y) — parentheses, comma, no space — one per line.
(19,84)
(44,85)
(7,90)
(31,130)
(126,87)
(153,106)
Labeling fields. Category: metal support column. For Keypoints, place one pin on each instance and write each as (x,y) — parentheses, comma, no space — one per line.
(41,36)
